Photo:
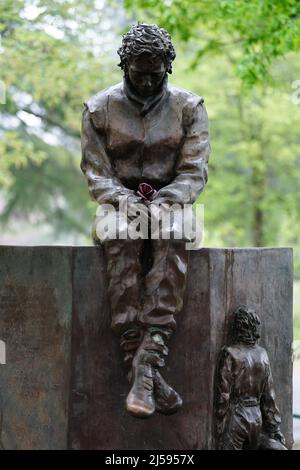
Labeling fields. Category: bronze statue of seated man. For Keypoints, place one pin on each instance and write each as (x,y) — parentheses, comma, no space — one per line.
(147,142)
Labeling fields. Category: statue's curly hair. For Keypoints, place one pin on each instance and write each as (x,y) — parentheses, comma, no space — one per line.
(245,326)
(146,38)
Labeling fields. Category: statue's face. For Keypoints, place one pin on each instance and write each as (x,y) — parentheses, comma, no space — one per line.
(146,74)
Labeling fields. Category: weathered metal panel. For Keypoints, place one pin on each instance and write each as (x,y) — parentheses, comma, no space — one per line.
(35,319)
(42,288)
(261,278)
(98,419)
(218,281)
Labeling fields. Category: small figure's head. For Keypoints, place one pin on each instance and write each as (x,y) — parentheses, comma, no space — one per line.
(146,57)
(246,325)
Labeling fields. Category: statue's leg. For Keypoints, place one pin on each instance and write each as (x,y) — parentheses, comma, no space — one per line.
(165,284)
(254,419)
(124,273)
(164,290)
(236,430)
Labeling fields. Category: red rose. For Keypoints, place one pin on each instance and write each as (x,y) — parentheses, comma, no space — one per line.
(146,191)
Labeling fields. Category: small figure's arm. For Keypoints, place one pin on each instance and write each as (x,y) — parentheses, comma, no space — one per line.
(270,413)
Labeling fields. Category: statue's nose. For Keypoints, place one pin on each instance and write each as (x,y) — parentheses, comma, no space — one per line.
(147,82)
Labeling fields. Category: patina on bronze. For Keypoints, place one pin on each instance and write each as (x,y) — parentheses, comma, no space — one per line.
(147,141)
(246,411)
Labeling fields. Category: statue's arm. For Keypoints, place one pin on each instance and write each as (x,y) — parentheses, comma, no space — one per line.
(270,413)
(192,165)
(104,186)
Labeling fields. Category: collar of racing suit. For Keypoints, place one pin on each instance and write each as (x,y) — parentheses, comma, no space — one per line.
(147,102)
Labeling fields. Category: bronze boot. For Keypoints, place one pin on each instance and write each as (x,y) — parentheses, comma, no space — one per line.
(167,400)
(140,400)
(150,354)
(146,380)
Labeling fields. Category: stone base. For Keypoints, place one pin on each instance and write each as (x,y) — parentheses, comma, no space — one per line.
(64,384)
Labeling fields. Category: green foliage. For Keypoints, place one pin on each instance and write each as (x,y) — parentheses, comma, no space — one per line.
(262,29)
(252,197)
(17,155)
(50,63)
(240,55)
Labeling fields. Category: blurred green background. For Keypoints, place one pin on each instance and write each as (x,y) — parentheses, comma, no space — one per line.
(242,56)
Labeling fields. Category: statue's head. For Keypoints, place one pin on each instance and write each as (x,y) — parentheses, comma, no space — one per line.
(146,57)
(246,325)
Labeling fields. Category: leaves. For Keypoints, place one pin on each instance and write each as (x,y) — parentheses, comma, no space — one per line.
(241,56)
(264,29)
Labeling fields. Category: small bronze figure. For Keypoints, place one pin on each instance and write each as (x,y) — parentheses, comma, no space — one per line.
(145,141)
(246,412)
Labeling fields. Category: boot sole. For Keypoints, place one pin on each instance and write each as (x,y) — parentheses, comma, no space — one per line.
(138,409)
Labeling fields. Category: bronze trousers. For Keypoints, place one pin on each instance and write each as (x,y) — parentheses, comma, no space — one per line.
(146,282)
(243,428)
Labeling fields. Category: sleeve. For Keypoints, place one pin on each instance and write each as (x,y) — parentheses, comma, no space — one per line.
(104,186)
(224,386)
(270,413)
(192,165)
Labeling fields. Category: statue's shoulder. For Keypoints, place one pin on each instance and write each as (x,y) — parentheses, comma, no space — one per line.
(226,351)
(184,97)
(232,350)
(262,352)
(98,102)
